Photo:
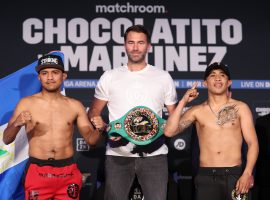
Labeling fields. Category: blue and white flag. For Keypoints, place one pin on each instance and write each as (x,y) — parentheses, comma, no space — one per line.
(13,157)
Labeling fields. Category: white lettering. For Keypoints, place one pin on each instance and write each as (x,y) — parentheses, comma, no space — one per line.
(29,35)
(162,31)
(79,56)
(231,31)
(100,58)
(170,39)
(78,31)
(128,8)
(50,30)
(179,59)
(197,56)
(247,84)
(98,36)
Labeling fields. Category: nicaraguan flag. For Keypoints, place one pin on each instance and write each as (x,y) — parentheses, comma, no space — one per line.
(14,156)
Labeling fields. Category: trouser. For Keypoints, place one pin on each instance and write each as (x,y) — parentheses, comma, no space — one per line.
(52,179)
(152,174)
(218,183)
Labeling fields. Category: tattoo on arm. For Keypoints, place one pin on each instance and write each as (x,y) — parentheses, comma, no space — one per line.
(183,125)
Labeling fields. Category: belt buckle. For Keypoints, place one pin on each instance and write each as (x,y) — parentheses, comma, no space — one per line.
(140,126)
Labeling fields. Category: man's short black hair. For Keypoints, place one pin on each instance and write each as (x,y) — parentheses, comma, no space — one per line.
(217,65)
(139,29)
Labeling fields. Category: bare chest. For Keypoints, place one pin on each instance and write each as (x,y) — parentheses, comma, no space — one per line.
(52,118)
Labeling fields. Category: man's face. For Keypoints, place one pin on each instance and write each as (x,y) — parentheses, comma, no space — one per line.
(51,79)
(136,46)
(217,82)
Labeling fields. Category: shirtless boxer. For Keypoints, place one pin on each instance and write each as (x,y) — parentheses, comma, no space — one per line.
(49,118)
(222,123)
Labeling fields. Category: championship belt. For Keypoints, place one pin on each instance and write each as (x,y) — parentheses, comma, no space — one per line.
(140,125)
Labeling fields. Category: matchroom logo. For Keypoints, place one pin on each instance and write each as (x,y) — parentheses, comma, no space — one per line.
(129,8)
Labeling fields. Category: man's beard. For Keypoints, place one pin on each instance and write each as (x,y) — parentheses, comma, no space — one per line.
(139,60)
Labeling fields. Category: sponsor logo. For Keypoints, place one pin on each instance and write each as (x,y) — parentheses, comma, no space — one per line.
(49,60)
(261,111)
(136,194)
(178,177)
(81,145)
(179,144)
(129,8)
(49,175)
(73,191)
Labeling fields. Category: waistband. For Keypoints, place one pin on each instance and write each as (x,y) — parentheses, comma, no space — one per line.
(237,170)
(52,162)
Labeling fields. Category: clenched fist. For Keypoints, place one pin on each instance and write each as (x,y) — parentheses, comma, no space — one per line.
(23,118)
(98,123)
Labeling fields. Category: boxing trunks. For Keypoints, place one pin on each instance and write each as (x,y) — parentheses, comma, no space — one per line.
(52,179)
(214,183)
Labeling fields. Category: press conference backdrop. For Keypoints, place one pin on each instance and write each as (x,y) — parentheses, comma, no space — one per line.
(186,36)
